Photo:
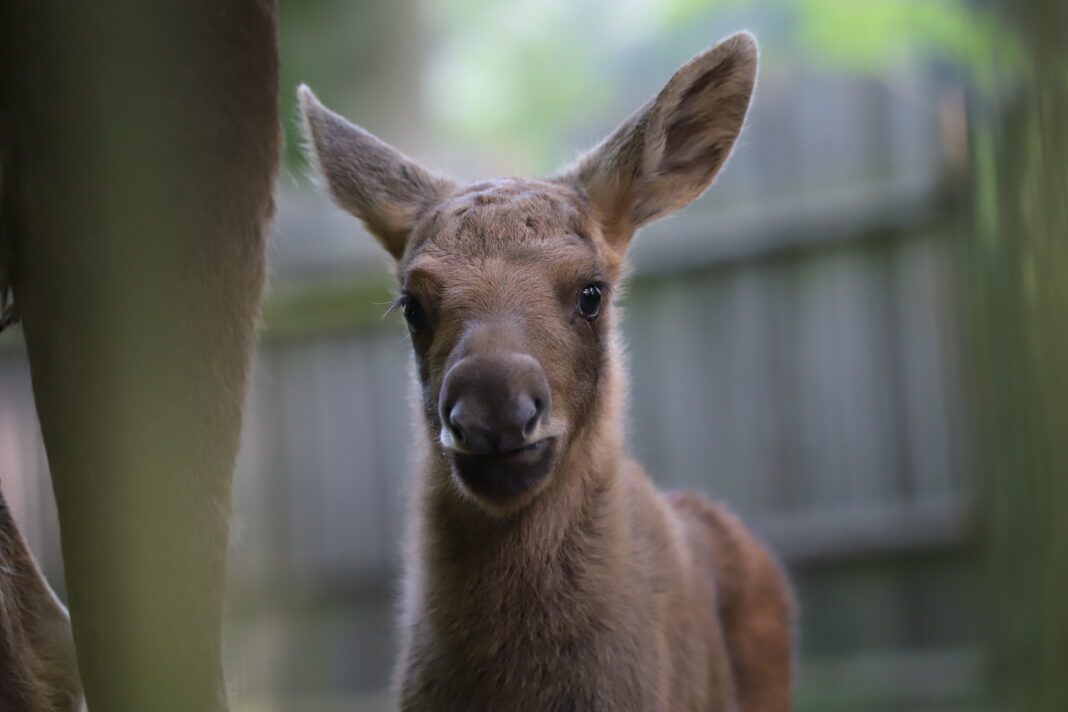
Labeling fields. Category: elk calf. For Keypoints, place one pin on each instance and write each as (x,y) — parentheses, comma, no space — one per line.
(546,572)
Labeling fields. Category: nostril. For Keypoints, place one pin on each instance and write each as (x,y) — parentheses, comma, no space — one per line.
(532,422)
(454,424)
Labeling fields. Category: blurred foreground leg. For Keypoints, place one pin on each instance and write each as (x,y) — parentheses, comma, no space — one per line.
(145,142)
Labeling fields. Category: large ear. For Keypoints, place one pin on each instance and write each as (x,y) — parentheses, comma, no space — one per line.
(367,177)
(666,154)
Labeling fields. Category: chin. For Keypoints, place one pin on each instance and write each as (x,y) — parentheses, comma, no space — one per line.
(504,481)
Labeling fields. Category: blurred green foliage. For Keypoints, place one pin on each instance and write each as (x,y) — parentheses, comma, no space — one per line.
(871,35)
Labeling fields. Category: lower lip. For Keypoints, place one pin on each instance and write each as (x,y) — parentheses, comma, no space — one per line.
(502,476)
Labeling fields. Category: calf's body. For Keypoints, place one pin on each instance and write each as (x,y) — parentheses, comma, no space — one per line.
(545,571)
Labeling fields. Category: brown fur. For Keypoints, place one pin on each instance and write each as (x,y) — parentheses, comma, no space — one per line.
(38,670)
(590,590)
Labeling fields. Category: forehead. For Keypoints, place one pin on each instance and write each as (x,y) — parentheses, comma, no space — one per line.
(511,219)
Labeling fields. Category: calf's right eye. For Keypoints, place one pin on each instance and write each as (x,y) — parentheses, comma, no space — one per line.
(413,314)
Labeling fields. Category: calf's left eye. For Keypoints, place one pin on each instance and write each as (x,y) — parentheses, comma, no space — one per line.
(589,304)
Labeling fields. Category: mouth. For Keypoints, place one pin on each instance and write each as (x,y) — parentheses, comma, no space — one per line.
(502,476)
(526,448)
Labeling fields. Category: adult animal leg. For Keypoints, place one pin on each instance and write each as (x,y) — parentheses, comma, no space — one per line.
(144,142)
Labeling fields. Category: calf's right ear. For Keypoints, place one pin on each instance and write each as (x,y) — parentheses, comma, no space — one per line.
(367,177)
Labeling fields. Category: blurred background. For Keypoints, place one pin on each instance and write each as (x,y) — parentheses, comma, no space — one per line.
(855,338)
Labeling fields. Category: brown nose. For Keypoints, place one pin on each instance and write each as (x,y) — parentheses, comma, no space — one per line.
(494,404)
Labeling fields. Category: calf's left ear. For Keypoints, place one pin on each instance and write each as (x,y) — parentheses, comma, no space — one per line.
(666,154)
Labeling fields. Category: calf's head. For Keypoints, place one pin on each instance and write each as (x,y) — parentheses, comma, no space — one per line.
(507,285)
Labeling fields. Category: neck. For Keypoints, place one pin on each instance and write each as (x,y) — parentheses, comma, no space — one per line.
(556,549)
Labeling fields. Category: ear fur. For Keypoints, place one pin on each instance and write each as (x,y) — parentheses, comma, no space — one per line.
(669,151)
(367,177)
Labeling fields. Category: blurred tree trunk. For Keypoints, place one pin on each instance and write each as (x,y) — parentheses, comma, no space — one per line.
(1015,271)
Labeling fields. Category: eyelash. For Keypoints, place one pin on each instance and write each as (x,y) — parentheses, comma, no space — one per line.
(396,305)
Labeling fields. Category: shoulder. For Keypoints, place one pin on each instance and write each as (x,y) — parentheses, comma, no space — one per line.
(740,559)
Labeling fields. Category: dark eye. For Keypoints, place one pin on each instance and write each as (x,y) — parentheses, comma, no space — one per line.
(413,314)
(589,304)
